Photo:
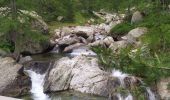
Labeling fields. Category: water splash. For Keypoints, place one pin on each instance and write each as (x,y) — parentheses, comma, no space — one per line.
(121,76)
(37,85)
(150,93)
(82,51)
(129,97)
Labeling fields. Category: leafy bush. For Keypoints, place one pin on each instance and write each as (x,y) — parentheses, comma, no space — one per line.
(121,29)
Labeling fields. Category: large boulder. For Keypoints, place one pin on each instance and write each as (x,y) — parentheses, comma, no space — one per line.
(136,17)
(164,88)
(133,35)
(36,20)
(81,74)
(13,82)
(31,46)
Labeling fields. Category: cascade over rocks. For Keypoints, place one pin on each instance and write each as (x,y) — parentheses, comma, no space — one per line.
(83,74)
(13,81)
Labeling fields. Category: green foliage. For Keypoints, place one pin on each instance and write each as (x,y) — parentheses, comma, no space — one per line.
(140,62)
(121,29)
(159,31)
(6,46)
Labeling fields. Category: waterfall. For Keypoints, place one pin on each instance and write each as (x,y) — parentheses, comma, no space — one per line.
(121,76)
(37,85)
(150,93)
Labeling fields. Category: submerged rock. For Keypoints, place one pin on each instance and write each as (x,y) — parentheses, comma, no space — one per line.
(13,82)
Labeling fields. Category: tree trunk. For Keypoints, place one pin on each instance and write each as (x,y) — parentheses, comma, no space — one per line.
(13,9)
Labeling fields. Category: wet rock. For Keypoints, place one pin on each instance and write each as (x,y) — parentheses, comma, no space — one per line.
(164,88)
(71,47)
(25,59)
(68,40)
(13,81)
(136,17)
(83,50)
(39,67)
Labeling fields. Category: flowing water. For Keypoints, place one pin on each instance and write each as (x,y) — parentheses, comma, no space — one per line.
(37,86)
(38,82)
(121,76)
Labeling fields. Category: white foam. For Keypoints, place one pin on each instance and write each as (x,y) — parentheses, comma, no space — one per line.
(150,93)
(37,86)
(121,76)
(82,51)
(129,97)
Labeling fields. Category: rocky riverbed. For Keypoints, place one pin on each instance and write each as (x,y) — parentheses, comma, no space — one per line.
(78,69)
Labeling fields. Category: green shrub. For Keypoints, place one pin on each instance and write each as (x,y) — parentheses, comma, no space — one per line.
(159,31)
(140,62)
(121,29)
(6,46)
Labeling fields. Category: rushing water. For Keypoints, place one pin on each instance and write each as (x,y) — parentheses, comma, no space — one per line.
(121,76)
(37,86)
(38,82)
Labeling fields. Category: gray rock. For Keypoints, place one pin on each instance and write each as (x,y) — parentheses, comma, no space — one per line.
(83,50)
(134,34)
(37,21)
(80,74)
(25,59)
(60,18)
(68,40)
(71,47)
(97,43)
(136,17)
(13,83)
(60,76)
(116,46)
(2,52)
(164,88)
(29,46)
(108,40)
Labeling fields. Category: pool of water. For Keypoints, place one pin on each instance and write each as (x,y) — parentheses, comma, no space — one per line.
(69,95)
